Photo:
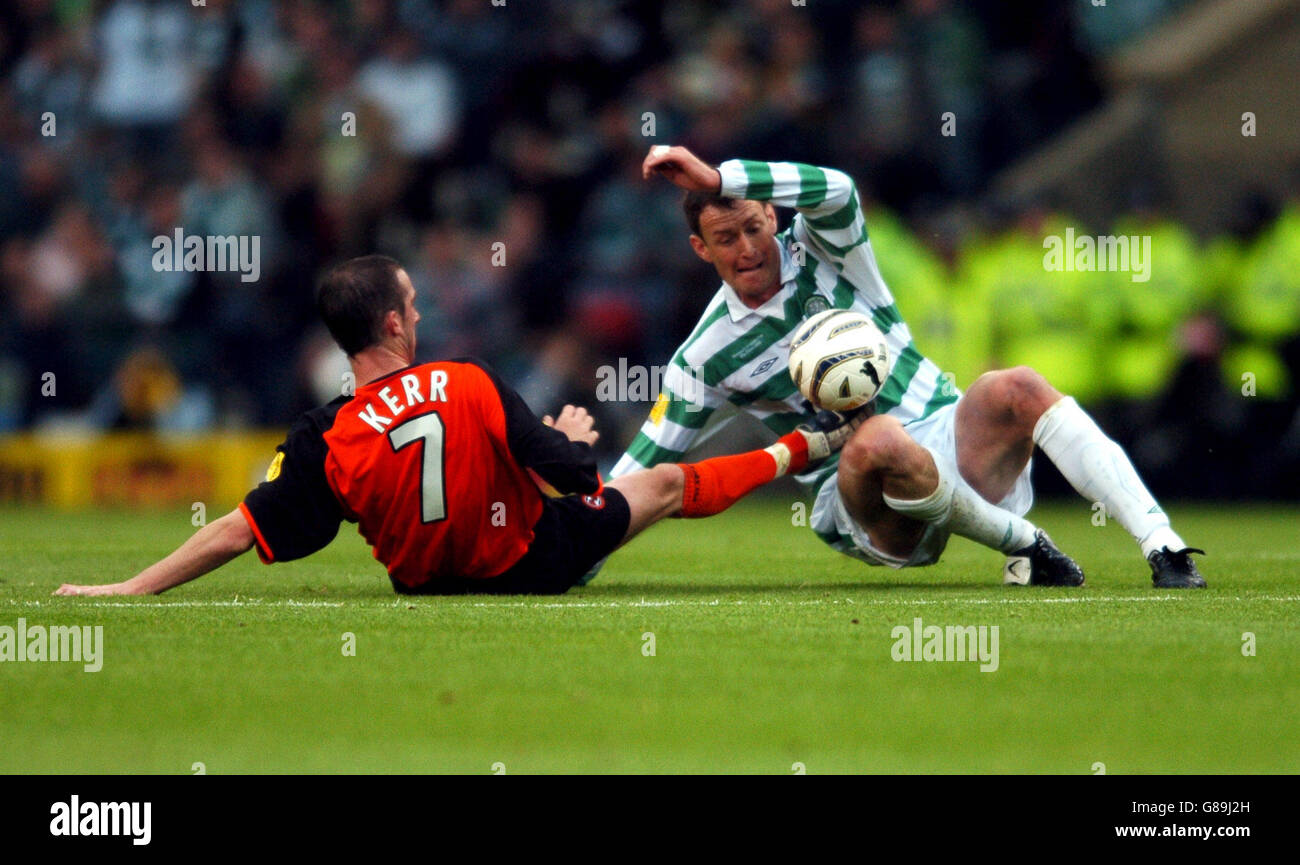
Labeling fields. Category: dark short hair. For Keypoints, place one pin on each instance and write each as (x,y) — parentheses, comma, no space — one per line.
(355,296)
(695,202)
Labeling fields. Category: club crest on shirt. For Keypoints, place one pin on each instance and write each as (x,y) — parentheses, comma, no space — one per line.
(814,305)
(273,470)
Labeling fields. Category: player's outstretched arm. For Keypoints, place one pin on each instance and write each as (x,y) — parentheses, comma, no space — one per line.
(206,550)
(682,168)
(818,193)
(827,198)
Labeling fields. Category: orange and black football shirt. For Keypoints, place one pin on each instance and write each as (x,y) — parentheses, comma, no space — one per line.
(431,462)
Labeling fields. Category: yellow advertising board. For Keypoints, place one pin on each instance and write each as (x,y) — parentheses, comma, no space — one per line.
(133,470)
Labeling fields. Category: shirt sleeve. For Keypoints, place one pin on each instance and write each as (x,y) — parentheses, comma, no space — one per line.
(568,466)
(294,512)
(679,415)
(827,200)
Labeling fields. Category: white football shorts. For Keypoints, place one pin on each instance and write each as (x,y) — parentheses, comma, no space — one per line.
(937,433)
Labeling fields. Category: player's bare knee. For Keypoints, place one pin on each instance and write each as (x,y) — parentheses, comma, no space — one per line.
(1027,394)
(881,444)
(859,451)
(1013,397)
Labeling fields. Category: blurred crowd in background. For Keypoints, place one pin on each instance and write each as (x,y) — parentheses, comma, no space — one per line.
(461,135)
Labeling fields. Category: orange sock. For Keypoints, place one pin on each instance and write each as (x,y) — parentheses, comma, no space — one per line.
(716,484)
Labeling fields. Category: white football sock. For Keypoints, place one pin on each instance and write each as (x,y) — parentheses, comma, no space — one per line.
(1100,471)
(955,506)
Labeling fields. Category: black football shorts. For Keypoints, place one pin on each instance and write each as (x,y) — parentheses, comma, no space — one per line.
(572,534)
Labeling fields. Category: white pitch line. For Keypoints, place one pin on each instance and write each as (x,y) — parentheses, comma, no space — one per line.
(871,602)
(613,605)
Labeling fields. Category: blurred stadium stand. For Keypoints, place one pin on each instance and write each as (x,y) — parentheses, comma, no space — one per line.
(524,125)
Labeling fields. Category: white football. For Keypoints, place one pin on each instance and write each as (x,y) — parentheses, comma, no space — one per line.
(839,360)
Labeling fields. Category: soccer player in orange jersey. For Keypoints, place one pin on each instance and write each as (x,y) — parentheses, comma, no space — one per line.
(435,463)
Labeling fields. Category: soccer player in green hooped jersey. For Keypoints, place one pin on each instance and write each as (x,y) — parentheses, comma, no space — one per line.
(931,461)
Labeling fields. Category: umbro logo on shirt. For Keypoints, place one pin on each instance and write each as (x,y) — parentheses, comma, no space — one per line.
(763,367)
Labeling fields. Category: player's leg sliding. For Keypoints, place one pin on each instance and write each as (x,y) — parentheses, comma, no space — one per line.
(1032,558)
(713,485)
(1100,471)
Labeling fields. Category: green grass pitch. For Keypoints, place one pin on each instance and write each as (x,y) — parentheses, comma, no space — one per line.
(769,651)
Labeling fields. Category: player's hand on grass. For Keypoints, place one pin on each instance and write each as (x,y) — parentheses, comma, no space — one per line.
(575,423)
(682,167)
(68,589)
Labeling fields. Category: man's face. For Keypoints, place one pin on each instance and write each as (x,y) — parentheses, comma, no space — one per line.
(410,316)
(740,242)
